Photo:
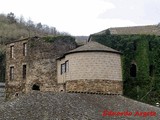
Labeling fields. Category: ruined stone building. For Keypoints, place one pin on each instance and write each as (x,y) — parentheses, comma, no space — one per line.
(57,65)
(31,64)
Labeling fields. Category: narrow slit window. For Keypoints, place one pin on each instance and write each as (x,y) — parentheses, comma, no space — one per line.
(24,71)
(67,66)
(133,70)
(24,49)
(11,73)
(151,70)
(62,68)
(11,51)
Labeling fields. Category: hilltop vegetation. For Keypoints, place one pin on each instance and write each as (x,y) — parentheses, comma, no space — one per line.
(12,27)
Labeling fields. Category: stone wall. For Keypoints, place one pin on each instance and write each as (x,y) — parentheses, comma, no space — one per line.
(95,86)
(17,84)
(2,89)
(91,65)
(92,72)
(40,63)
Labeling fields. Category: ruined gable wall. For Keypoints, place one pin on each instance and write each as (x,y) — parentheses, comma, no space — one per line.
(42,62)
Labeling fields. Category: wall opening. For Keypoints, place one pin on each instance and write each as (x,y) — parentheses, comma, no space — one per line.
(36,87)
(62,68)
(11,51)
(151,70)
(11,72)
(24,72)
(133,70)
(16,95)
(24,49)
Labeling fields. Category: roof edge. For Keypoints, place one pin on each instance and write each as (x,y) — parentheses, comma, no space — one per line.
(116,52)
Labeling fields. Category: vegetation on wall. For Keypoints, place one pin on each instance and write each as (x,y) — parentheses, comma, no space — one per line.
(54,38)
(141,52)
(2,63)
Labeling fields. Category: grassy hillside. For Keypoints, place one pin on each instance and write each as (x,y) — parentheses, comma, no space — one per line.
(12,27)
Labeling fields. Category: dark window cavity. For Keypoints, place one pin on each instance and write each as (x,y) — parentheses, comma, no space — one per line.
(24,71)
(11,73)
(35,87)
(67,66)
(11,51)
(133,70)
(62,68)
(151,70)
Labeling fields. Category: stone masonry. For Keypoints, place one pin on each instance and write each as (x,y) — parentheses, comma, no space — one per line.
(91,70)
(39,62)
(55,65)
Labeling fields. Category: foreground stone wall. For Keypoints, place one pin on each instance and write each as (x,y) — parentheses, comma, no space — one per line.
(95,86)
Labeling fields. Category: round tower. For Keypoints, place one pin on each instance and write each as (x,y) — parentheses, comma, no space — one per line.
(92,68)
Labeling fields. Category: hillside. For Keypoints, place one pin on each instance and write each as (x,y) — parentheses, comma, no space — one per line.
(72,106)
(12,28)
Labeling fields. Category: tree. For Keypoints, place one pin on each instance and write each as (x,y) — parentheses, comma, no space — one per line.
(11,18)
(30,26)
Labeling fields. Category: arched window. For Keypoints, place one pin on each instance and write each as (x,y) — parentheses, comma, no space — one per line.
(133,70)
(35,87)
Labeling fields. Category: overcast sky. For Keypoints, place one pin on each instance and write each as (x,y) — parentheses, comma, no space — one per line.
(84,17)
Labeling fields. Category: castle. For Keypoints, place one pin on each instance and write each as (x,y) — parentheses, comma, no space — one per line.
(59,65)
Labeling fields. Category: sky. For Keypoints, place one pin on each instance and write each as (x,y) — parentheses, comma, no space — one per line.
(85,17)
